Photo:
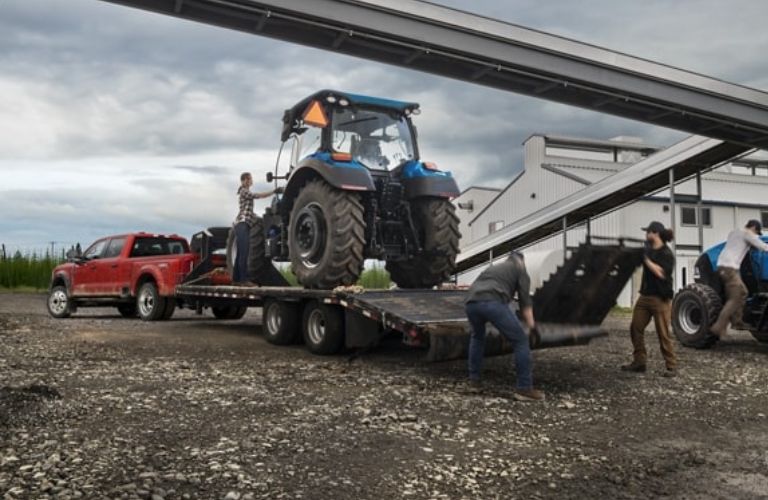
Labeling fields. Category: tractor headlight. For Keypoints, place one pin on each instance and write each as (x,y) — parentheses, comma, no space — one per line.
(343,102)
(331,99)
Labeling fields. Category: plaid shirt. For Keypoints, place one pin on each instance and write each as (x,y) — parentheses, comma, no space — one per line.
(246,206)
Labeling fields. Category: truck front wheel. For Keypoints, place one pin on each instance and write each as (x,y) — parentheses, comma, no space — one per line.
(326,236)
(149,303)
(59,303)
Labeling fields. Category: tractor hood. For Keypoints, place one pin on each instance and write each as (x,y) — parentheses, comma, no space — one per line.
(292,117)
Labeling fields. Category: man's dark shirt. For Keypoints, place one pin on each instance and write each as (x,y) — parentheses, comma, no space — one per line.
(651,284)
(499,282)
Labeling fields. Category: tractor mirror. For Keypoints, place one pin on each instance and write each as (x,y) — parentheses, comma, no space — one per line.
(270,177)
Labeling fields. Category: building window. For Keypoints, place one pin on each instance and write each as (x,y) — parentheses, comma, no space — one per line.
(495,226)
(764,218)
(688,216)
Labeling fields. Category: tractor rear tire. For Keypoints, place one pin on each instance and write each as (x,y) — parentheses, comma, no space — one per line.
(694,310)
(326,236)
(256,250)
(759,336)
(282,322)
(438,227)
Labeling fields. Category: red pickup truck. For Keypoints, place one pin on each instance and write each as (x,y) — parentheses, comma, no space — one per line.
(137,273)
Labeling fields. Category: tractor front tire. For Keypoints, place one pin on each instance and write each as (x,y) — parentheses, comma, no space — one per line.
(694,310)
(326,236)
(438,226)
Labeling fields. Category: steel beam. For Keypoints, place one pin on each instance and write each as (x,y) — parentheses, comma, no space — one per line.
(456,44)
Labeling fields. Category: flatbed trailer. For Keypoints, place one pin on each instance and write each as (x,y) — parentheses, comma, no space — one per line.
(570,308)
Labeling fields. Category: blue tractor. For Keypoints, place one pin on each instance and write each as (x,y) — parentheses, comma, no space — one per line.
(357,189)
(696,307)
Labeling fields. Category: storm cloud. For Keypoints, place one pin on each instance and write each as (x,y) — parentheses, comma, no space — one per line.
(114,119)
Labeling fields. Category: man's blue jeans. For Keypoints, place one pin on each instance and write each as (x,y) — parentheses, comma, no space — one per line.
(502,317)
(242,241)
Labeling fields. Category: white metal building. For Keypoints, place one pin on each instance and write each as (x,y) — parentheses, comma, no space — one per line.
(554,167)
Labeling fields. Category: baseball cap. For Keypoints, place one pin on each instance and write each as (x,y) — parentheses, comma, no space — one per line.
(654,227)
(756,224)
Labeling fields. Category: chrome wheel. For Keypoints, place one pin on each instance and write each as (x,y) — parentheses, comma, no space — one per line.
(146,301)
(57,301)
(689,317)
(316,326)
(273,320)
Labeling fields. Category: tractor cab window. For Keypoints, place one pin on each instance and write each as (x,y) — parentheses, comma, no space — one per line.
(376,139)
(309,142)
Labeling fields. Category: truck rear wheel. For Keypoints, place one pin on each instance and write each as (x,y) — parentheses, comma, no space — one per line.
(759,336)
(694,310)
(229,312)
(323,328)
(438,227)
(59,303)
(281,322)
(149,303)
(326,236)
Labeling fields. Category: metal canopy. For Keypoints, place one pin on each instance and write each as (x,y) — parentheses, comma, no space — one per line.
(686,158)
(447,42)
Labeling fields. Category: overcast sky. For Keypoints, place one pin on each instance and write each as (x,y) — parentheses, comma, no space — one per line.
(115,120)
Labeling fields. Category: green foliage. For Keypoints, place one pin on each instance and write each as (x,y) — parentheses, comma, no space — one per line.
(374,278)
(27,271)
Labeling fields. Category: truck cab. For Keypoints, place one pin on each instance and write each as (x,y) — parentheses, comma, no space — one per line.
(137,273)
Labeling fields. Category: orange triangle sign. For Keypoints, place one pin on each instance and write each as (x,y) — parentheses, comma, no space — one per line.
(315,115)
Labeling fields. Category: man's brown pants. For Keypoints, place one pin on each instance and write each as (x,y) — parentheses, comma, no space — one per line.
(660,310)
(736,294)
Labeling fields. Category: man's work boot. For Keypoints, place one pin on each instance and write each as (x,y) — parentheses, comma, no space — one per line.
(634,366)
(528,395)
(670,373)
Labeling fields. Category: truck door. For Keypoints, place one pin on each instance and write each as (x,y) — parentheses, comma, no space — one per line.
(86,274)
(113,271)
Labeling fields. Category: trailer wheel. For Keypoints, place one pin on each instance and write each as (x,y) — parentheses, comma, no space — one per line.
(149,303)
(326,236)
(229,312)
(323,328)
(694,310)
(438,227)
(59,303)
(759,336)
(281,322)
(127,310)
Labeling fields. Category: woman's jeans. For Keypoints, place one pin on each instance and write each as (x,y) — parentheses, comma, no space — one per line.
(501,316)
(242,241)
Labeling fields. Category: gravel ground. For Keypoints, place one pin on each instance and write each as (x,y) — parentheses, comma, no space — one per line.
(102,407)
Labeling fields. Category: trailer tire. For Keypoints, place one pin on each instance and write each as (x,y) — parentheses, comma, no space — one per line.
(228,312)
(438,227)
(170,308)
(323,328)
(127,310)
(326,236)
(281,322)
(694,310)
(759,336)
(59,302)
(149,303)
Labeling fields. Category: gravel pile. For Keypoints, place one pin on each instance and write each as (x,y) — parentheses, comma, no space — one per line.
(102,407)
